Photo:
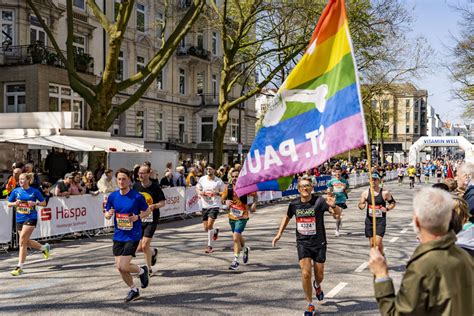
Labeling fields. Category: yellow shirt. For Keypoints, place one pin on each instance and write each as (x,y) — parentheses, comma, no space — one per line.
(411,172)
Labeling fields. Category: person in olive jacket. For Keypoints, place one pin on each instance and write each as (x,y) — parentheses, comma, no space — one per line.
(438,276)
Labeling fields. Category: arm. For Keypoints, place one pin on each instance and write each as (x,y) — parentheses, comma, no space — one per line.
(389,198)
(362,200)
(284,222)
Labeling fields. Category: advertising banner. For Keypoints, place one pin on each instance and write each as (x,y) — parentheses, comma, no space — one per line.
(68,215)
(6,214)
(193,203)
(175,201)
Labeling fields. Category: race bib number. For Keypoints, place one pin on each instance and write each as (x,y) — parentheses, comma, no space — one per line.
(124,222)
(338,188)
(23,208)
(209,197)
(378,211)
(306,225)
(148,219)
(237,211)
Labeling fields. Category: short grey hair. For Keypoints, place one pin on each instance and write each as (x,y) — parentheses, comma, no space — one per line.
(433,208)
(466,168)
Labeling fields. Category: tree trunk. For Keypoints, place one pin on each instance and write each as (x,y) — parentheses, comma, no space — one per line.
(219,134)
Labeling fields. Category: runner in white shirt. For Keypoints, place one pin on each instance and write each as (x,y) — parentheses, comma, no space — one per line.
(209,189)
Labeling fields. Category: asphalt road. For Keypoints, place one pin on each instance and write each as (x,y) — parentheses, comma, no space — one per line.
(80,277)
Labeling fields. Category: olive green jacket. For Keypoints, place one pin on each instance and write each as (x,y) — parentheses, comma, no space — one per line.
(438,281)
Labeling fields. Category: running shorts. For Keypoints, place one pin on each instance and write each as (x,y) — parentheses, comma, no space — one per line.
(125,248)
(342,205)
(238,226)
(148,229)
(379,227)
(209,212)
(318,254)
(28,222)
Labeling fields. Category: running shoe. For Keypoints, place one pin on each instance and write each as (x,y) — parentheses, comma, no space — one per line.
(46,250)
(154,256)
(209,250)
(150,273)
(245,257)
(310,310)
(132,296)
(319,291)
(144,278)
(18,271)
(216,234)
(336,233)
(234,265)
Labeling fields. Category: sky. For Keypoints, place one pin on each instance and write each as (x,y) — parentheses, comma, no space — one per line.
(436,21)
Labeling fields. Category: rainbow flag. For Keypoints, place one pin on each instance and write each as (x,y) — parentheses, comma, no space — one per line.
(316,114)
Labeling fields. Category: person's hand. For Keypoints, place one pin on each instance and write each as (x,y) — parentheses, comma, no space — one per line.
(331,200)
(134,218)
(31,204)
(277,238)
(377,263)
(17,202)
(109,214)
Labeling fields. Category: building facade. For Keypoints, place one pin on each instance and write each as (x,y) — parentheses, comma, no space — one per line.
(178,112)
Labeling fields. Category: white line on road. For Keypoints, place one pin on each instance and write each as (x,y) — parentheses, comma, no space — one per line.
(404,230)
(336,290)
(394,239)
(362,267)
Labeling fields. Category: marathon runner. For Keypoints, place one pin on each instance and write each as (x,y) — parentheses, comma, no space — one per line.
(209,189)
(238,218)
(128,208)
(155,199)
(401,174)
(411,175)
(426,172)
(418,173)
(382,197)
(439,174)
(339,187)
(25,199)
(310,235)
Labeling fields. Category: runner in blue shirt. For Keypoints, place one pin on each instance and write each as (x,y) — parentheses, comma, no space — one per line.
(339,187)
(25,199)
(128,207)
(427,171)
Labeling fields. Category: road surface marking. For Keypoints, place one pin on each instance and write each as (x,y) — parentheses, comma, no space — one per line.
(336,290)
(404,230)
(394,239)
(362,267)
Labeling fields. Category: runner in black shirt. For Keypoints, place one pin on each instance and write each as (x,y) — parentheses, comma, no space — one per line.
(310,235)
(155,199)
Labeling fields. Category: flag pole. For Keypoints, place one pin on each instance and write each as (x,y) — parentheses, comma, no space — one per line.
(372,195)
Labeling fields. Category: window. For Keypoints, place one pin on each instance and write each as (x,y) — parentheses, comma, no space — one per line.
(140,63)
(159,23)
(117,4)
(116,125)
(234,129)
(15,97)
(159,80)
(181,128)
(416,116)
(182,81)
(200,40)
(416,129)
(120,69)
(407,103)
(408,129)
(64,99)
(408,117)
(214,43)
(79,43)
(140,18)
(139,123)
(214,86)
(159,126)
(200,82)
(37,34)
(79,4)
(207,128)
(6,23)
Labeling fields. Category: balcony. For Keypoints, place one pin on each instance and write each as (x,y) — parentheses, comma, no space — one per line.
(194,51)
(39,54)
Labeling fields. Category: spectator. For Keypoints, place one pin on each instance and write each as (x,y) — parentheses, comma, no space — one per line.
(135,177)
(465,181)
(45,189)
(191,178)
(76,188)
(461,225)
(35,180)
(179,177)
(451,183)
(13,181)
(63,187)
(73,163)
(107,183)
(153,173)
(99,171)
(167,180)
(56,164)
(89,183)
(438,277)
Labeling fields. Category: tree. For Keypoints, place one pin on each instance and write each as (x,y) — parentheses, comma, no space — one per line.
(99,95)
(258,39)
(462,68)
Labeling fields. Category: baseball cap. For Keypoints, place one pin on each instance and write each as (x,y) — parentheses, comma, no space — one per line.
(68,175)
(375,176)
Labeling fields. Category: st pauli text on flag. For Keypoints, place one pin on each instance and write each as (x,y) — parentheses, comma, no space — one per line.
(316,114)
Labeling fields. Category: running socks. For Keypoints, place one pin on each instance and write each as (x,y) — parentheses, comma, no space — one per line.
(210,233)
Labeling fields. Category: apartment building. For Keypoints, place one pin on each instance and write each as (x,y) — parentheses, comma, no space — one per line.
(176,113)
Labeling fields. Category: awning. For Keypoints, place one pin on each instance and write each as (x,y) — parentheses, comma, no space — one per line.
(41,141)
